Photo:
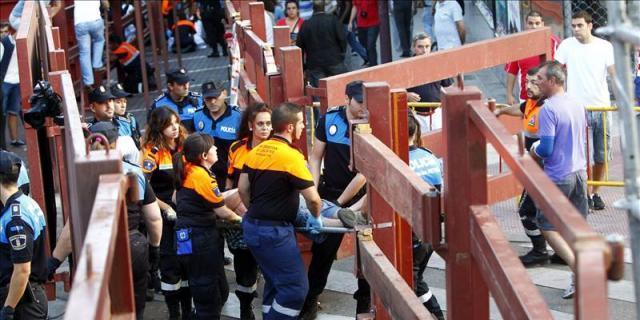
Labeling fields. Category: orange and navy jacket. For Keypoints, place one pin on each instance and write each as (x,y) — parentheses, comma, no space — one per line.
(125,53)
(157,164)
(185,23)
(530,122)
(237,156)
(277,171)
(197,197)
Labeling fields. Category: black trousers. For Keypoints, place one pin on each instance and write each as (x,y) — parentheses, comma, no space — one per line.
(246,268)
(214,30)
(403,17)
(139,268)
(205,270)
(32,305)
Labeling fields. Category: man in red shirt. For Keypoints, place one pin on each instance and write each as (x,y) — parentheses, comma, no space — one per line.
(365,12)
(534,21)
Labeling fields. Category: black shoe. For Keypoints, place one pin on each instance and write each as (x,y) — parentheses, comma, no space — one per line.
(213,54)
(227,261)
(19,143)
(590,203)
(310,309)
(534,257)
(598,204)
(556,259)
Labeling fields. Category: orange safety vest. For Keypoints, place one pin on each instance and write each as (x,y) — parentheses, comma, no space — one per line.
(186,23)
(530,121)
(126,53)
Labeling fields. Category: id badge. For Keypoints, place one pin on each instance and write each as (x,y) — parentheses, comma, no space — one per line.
(183,241)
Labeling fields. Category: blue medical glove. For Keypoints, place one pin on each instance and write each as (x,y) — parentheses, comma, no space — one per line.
(314,224)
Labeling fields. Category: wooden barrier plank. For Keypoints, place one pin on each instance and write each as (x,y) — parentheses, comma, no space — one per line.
(514,293)
(395,294)
(442,64)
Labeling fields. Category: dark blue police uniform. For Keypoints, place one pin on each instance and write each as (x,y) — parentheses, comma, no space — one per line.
(185,108)
(224,131)
(128,126)
(22,240)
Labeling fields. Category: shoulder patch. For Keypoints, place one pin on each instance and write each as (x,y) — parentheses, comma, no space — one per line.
(217,192)
(155,150)
(148,164)
(160,97)
(18,241)
(333,129)
(15,210)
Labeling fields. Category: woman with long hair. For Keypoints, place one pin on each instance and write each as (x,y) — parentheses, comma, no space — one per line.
(200,203)
(163,137)
(255,127)
(292,20)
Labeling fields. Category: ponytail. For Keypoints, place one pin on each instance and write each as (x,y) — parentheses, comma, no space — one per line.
(178,169)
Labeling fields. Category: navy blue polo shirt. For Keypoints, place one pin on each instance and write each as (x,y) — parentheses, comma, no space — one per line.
(333,129)
(22,238)
(185,108)
(224,131)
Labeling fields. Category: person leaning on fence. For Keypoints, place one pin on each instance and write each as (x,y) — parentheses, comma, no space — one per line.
(273,176)
(589,60)
(163,138)
(179,98)
(23,257)
(199,203)
(429,118)
(561,147)
(220,121)
(529,111)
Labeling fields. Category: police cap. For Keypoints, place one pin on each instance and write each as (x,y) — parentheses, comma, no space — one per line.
(118,91)
(105,128)
(10,163)
(209,90)
(178,76)
(100,94)
(354,90)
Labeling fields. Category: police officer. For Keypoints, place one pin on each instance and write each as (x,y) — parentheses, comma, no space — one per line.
(337,184)
(220,121)
(23,261)
(198,241)
(143,252)
(179,98)
(273,177)
(127,122)
(101,103)
(428,167)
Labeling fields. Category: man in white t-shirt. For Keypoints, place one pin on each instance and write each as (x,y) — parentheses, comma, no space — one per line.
(448,25)
(588,60)
(11,105)
(89,28)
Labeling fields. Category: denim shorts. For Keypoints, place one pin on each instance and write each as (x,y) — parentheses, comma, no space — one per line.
(11,100)
(574,187)
(597,136)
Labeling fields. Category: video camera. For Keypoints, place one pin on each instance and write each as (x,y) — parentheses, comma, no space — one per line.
(44,103)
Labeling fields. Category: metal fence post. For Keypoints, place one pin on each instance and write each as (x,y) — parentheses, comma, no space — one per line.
(623,34)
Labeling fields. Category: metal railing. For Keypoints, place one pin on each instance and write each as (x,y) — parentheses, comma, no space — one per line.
(624,31)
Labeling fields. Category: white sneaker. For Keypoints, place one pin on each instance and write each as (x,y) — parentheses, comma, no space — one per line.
(570,291)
